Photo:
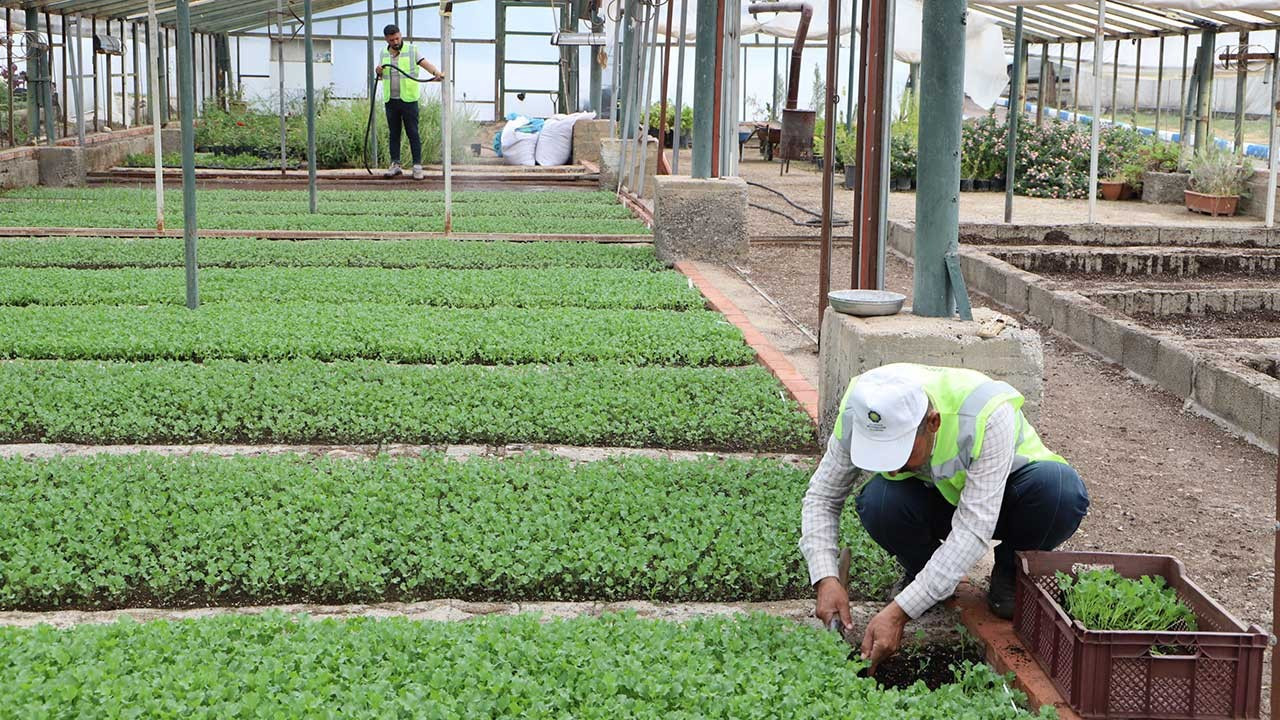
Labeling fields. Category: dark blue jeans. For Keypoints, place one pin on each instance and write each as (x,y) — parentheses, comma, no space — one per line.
(1043,505)
(401,114)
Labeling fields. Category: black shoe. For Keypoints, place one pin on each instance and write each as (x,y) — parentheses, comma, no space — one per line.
(1000,595)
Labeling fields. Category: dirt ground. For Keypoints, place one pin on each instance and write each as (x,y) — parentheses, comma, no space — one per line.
(1162,480)
(1210,325)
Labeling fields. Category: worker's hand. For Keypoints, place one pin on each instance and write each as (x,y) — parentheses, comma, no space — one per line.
(884,635)
(438,78)
(378,71)
(833,601)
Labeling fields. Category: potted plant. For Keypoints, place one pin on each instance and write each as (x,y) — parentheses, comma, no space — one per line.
(902,161)
(1218,180)
(1113,188)
(1164,177)
(847,152)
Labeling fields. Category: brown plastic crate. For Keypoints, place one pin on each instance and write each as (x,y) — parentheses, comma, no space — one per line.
(1112,674)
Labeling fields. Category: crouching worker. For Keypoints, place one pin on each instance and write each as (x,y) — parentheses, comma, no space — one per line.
(398,70)
(953,464)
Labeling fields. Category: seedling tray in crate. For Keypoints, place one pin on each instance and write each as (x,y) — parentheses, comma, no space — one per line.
(1213,673)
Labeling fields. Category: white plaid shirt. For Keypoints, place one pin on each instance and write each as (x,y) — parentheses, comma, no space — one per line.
(972,525)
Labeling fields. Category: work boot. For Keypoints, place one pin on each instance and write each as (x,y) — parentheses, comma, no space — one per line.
(394,171)
(1000,594)
(417,172)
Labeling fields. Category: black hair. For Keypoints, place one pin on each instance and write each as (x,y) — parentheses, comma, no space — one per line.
(391,29)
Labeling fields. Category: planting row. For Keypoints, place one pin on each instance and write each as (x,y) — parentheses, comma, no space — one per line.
(115,531)
(306,401)
(145,197)
(614,666)
(517,287)
(391,333)
(92,253)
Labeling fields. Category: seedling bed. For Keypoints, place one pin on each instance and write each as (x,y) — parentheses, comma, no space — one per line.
(1215,672)
(1153,263)
(1213,325)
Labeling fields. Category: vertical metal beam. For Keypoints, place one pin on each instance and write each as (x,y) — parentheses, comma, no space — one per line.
(1137,80)
(666,79)
(1204,92)
(1041,80)
(137,76)
(1273,161)
(1011,145)
(1096,123)
(635,31)
(284,128)
(1242,79)
(46,90)
(33,74)
(124,80)
(1075,85)
(886,121)
(615,75)
(80,80)
(717,95)
(705,80)
(1057,80)
(153,79)
(941,114)
(446,110)
(106,83)
(308,42)
(773,102)
(853,65)
(679,109)
(645,91)
(186,115)
(872,120)
(597,71)
(1190,100)
(1159,86)
(1115,81)
(373,125)
(93,30)
(8,47)
(866,48)
(828,139)
(164,74)
(239,68)
(500,61)
(1183,90)
(66,92)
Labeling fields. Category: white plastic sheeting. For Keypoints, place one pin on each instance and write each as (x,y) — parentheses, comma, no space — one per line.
(518,148)
(985,75)
(1188,5)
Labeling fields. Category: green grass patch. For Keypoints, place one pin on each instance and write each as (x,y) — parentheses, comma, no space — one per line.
(119,531)
(603,668)
(391,333)
(370,211)
(510,287)
(95,253)
(306,401)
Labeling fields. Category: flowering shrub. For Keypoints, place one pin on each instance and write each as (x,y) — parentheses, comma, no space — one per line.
(982,148)
(1053,161)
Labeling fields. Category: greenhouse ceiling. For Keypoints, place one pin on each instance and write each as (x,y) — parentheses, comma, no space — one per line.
(1068,22)
(208,16)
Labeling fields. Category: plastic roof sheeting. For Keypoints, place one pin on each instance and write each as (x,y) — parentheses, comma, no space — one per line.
(1055,20)
(210,16)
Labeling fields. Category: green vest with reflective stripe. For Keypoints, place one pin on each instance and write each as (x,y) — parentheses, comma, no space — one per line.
(965,400)
(407,61)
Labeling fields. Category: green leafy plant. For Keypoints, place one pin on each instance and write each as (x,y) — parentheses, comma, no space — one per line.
(902,156)
(846,144)
(1103,599)
(1215,171)
(277,665)
(308,401)
(407,528)
(100,253)
(983,144)
(1161,156)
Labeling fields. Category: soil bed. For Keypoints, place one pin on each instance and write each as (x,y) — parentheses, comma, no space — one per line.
(1212,325)
(931,664)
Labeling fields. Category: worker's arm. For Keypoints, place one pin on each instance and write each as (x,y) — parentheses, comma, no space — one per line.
(425,64)
(974,521)
(820,529)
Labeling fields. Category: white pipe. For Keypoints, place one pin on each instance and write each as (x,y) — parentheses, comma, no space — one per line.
(1097,110)
(886,152)
(650,64)
(153,79)
(1273,157)
(446,110)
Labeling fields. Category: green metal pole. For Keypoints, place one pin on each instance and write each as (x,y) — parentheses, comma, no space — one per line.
(1242,79)
(704,87)
(187,113)
(373,126)
(630,30)
(311,105)
(1183,90)
(34,98)
(941,114)
(1011,154)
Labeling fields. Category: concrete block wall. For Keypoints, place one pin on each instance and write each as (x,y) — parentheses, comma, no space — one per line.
(587,135)
(611,158)
(700,219)
(852,345)
(1188,302)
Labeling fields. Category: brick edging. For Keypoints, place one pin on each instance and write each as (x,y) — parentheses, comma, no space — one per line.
(641,212)
(769,356)
(1005,652)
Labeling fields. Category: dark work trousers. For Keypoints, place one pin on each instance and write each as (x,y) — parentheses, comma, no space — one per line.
(1043,505)
(404,114)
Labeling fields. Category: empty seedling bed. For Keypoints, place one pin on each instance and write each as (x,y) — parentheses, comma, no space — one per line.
(1148,264)
(1201,314)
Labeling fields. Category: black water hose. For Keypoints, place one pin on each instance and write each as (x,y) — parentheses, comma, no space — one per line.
(373,107)
(836,221)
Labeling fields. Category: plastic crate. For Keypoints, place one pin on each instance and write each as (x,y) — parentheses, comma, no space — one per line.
(1113,674)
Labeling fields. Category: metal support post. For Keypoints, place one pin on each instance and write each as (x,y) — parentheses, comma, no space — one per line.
(1183,90)
(106,81)
(773,106)
(1189,103)
(636,175)
(1075,85)
(80,130)
(679,108)
(46,89)
(1273,156)
(34,97)
(186,114)
(446,110)
(1041,80)
(597,70)
(705,79)
(1242,80)
(163,92)
(1137,80)
(284,128)
(8,47)
(828,139)
(941,114)
(666,79)
(717,91)
(1096,124)
(1057,80)
(137,76)
(1115,81)
(1204,107)
(635,39)
(373,126)
(1159,86)
(308,42)
(1011,145)
(886,128)
(630,28)
(93,30)
(615,74)
(153,79)
(850,91)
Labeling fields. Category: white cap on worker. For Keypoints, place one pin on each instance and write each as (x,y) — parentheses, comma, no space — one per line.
(885,408)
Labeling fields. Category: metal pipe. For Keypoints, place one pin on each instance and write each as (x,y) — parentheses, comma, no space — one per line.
(1183,91)
(1075,85)
(679,109)
(797,45)
(941,113)
(717,95)
(1115,81)
(1095,129)
(124,80)
(93,30)
(66,92)
(886,114)
(1137,80)
(46,90)
(1011,145)
(666,76)
(1041,80)
(1159,85)
(1242,79)
(597,72)
(1273,159)
(446,109)
(311,105)
(8,47)
(728,142)
(635,37)
(153,79)
(705,78)
(853,68)
(865,49)
(1204,108)
(1057,80)
(137,76)
(828,139)
(186,114)
(615,76)
(106,84)
(373,117)
(642,146)
(80,131)
(33,74)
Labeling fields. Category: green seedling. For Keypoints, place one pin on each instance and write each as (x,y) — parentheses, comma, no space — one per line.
(1102,599)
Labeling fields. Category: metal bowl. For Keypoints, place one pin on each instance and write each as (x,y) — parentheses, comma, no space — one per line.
(866,303)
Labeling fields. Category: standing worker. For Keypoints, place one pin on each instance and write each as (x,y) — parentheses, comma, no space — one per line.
(400,92)
(955,464)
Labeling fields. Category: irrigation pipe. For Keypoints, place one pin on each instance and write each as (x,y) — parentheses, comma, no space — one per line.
(835,222)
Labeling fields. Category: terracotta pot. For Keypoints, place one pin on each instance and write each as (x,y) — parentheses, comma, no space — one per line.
(1215,205)
(1112,190)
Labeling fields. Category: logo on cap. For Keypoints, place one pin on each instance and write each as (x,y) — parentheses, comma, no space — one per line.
(873,416)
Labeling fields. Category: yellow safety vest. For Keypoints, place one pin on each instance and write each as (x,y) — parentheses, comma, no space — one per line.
(407,61)
(965,399)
